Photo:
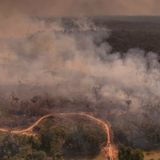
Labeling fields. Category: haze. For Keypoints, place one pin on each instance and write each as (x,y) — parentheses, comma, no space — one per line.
(80,7)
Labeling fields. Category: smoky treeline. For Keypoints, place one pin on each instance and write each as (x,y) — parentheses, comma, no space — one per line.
(67,65)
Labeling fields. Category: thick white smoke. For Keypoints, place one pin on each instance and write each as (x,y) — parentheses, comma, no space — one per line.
(74,64)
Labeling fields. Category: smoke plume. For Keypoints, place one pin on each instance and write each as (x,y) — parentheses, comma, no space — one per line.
(37,56)
(43,54)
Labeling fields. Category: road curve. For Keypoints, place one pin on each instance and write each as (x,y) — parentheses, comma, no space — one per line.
(108,149)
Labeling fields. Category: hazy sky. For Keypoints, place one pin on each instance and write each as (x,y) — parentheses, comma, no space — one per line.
(80,7)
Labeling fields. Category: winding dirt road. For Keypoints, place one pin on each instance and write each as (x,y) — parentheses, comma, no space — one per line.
(108,149)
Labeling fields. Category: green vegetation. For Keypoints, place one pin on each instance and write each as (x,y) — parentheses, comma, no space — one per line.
(128,153)
(53,142)
(13,147)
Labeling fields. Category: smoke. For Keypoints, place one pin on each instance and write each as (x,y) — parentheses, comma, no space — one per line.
(73,60)
(43,54)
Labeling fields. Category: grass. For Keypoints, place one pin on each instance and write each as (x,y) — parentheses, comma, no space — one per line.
(153,155)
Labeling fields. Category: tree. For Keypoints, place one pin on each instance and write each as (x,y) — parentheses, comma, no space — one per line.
(37,155)
(128,153)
